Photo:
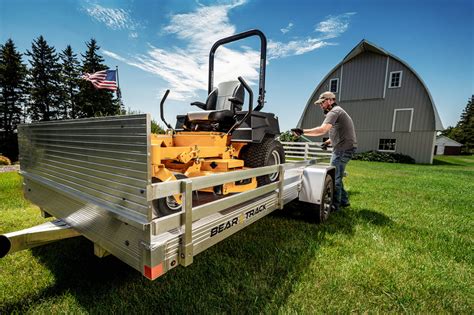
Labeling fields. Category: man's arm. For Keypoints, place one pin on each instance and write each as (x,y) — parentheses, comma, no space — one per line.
(318,131)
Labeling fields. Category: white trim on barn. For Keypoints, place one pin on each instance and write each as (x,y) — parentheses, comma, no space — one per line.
(340,83)
(386,75)
(337,85)
(387,143)
(392,73)
(395,115)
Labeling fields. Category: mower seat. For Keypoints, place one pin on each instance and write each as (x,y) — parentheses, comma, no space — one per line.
(221,105)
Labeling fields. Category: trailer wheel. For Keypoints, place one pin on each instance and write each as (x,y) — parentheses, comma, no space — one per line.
(268,152)
(324,209)
(167,205)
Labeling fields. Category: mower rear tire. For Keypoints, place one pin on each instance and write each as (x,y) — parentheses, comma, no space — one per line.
(268,152)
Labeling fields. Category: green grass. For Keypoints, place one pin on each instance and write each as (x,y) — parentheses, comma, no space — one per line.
(405,245)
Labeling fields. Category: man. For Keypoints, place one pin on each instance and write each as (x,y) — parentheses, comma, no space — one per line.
(342,137)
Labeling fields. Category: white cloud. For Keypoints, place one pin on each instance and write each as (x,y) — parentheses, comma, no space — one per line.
(331,28)
(296,47)
(113,55)
(115,19)
(286,29)
(203,27)
(334,26)
(185,68)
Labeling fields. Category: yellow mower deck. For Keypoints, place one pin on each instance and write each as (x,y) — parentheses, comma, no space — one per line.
(197,154)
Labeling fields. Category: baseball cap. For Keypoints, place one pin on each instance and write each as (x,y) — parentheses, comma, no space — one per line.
(324,96)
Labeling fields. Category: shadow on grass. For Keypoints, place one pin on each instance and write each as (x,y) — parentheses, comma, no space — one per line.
(443,162)
(455,160)
(340,222)
(353,193)
(252,271)
(374,217)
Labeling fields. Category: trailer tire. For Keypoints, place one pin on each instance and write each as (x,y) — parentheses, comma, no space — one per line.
(325,207)
(167,205)
(268,152)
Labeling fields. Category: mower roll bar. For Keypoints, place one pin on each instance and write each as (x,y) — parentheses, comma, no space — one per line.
(263,60)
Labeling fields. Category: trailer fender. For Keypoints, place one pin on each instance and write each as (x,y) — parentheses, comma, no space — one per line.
(312,184)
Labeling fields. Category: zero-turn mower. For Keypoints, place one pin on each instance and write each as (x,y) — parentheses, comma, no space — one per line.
(220,137)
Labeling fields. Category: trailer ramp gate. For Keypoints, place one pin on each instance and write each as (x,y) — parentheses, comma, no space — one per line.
(95,174)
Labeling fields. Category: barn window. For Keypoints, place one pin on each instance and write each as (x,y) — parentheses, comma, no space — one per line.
(387,145)
(395,79)
(334,85)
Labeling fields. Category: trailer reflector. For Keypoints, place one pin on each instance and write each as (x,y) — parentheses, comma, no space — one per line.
(153,272)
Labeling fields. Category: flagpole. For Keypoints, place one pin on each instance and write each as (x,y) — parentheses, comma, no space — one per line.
(119,92)
(118,81)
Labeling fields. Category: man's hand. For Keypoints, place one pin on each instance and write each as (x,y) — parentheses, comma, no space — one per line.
(297,132)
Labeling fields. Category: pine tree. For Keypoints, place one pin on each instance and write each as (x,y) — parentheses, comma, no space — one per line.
(95,102)
(45,81)
(12,97)
(69,83)
(465,126)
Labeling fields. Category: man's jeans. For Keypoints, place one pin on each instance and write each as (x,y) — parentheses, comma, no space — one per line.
(339,159)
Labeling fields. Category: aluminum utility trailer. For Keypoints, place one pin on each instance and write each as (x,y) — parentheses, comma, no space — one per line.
(95,175)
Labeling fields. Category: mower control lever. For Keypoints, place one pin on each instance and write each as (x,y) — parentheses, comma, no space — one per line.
(247,87)
(161,109)
(249,90)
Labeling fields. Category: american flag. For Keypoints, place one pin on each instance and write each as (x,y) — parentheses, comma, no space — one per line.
(105,79)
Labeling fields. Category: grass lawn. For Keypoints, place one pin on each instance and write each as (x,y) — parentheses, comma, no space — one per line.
(405,245)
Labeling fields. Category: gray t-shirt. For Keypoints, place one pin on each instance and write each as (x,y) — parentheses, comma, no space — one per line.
(342,133)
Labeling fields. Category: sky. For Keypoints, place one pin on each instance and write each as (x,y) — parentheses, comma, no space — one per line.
(160,45)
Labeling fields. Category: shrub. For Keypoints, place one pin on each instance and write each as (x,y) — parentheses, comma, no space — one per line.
(4,160)
(376,156)
(288,136)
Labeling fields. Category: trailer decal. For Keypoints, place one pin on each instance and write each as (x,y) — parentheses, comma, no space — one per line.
(237,220)
(255,211)
(224,226)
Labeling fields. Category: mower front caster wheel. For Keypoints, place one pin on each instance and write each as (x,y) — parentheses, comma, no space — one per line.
(167,205)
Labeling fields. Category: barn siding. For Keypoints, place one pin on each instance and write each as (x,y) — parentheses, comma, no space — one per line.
(363,77)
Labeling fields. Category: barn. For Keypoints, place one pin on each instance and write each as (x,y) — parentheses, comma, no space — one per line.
(391,107)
